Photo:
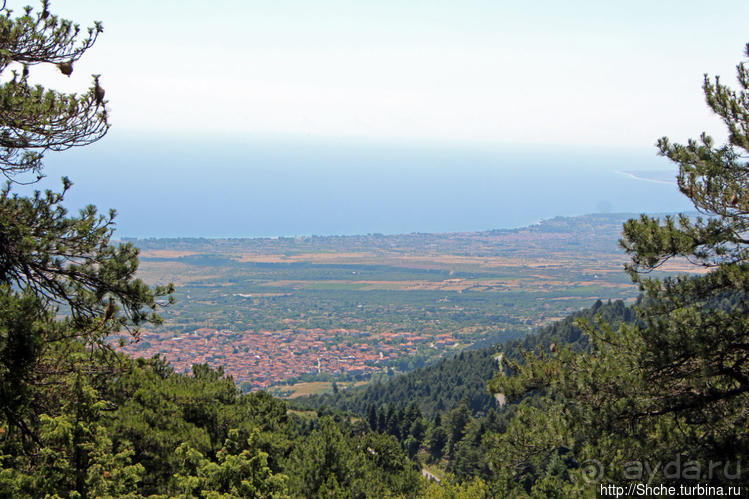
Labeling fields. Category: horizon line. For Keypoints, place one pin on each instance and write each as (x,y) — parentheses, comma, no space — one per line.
(392,234)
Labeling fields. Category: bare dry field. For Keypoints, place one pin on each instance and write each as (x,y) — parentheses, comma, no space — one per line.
(178,273)
(311,388)
(166,253)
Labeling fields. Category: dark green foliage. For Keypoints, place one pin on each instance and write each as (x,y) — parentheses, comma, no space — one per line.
(52,439)
(436,441)
(68,261)
(696,330)
(75,453)
(455,425)
(194,434)
(672,386)
(356,466)
(186,429)
(469,452)
(240,470)
(23,325)
(372,417)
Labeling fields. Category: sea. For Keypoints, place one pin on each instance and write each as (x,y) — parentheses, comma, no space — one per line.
(166,186)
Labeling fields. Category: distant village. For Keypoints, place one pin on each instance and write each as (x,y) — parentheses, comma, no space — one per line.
(264,358)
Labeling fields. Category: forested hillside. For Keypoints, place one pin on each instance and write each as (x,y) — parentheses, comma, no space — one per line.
(170,434)
(444,415)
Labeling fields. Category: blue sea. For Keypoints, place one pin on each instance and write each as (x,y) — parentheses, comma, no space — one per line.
(164,186)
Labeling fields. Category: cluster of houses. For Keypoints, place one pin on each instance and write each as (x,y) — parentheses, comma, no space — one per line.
(265,358)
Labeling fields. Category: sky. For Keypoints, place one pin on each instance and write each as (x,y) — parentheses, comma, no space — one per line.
(285,117)
(588,73)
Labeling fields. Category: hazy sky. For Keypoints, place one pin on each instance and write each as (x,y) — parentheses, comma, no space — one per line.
(284,117)
(588,73)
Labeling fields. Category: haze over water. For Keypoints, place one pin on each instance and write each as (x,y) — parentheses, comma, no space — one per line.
(185,188)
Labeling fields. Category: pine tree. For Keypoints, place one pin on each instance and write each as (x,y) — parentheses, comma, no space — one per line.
(372,417)
(53,264)
(697,329)
(674,383)
(36,120)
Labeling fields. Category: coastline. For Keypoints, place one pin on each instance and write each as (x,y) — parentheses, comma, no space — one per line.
(645,179)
